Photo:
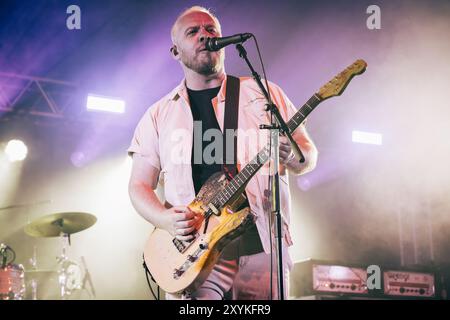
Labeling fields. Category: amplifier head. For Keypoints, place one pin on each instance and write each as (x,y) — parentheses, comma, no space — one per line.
(409,284)
(312,277)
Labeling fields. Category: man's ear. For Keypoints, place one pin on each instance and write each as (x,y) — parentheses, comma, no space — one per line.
(174,52)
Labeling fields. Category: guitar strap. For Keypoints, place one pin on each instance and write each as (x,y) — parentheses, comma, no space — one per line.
(230,122)
(250,242)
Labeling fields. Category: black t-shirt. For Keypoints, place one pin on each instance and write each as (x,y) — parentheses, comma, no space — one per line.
(202,110)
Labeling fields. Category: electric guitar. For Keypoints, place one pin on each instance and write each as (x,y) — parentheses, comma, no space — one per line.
(179,266)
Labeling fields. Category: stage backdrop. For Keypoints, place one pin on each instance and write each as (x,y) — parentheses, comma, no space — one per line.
(384,204)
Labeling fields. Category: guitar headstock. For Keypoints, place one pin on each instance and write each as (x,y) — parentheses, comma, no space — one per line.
(337,85)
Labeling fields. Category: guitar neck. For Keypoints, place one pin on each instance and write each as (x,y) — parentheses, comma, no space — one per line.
(303,112)
(241,179)
(332,88)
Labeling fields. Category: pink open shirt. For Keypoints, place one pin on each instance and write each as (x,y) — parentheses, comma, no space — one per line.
(164,137)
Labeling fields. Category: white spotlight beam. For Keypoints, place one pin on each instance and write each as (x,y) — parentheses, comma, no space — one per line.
(367,137)
(107,104)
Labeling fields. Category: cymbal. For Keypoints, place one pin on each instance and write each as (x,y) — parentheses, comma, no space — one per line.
(54,225)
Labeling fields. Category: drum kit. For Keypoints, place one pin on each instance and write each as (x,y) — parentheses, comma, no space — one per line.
(69,273)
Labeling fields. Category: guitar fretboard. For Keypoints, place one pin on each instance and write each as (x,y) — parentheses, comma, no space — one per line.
(241,179)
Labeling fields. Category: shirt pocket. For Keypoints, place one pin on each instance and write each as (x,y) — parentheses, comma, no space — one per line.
(256,108)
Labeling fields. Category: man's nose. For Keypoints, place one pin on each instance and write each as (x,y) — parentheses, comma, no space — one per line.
(203,35)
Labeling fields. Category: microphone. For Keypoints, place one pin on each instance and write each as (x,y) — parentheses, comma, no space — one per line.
(215,44)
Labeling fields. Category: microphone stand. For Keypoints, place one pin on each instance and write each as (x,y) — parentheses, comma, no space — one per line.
(278,125)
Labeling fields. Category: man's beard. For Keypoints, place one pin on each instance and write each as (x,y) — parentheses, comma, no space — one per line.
(204,66)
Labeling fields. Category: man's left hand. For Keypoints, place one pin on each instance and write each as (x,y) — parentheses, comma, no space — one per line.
(286,154)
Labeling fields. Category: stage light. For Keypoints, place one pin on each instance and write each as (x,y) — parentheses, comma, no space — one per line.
(367,137)
(16,150)
(99,103)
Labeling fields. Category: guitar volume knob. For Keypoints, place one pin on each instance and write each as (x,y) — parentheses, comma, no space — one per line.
(177,273)
(191,258)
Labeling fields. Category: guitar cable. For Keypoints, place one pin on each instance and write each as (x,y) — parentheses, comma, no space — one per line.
(147,273)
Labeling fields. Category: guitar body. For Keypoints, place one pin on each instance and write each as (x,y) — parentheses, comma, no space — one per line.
(179,266)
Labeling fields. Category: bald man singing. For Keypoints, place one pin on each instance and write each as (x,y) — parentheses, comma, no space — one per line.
(245,269)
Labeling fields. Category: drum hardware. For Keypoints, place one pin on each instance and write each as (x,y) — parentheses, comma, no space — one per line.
(6,251)
(12,284)
(33,274)
(87,278)
(61,225)
(33,263)
(69,277)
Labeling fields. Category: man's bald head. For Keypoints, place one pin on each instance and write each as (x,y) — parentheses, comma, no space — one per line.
(194,9)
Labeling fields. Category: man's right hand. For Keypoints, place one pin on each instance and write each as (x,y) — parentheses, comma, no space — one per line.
(181,222)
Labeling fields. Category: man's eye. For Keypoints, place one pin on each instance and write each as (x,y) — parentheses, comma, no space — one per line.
(192,32)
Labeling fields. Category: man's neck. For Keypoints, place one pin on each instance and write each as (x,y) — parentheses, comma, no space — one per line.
(196,81)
